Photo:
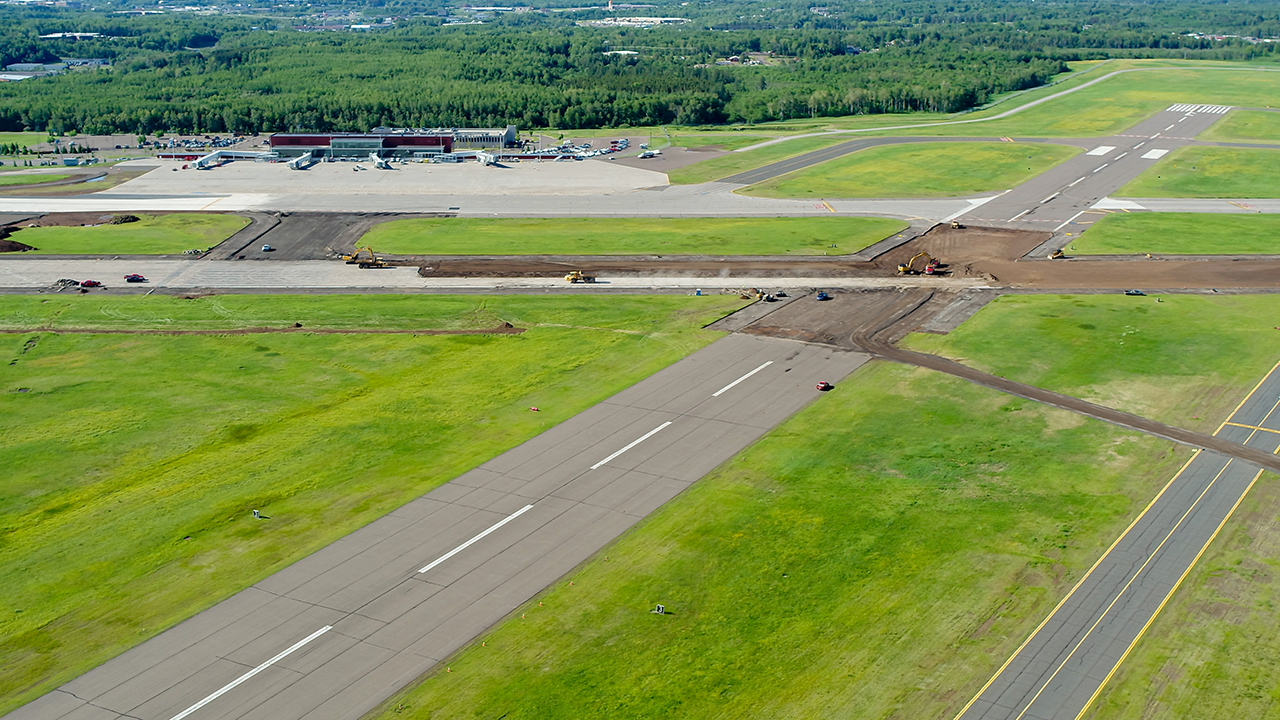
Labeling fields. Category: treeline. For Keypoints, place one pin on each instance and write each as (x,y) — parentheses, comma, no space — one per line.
(247,75)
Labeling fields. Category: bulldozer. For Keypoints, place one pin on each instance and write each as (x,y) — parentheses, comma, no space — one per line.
(373,261)
(1057,255)
(577,276)
(928,265)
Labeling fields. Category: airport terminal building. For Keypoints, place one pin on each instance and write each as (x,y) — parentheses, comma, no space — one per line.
(397,143)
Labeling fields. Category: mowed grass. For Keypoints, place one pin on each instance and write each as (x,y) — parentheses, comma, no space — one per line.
(918,170)
(878,555)
(630,236)
(1180,234)
(29,179)
(1213,651)
(734,163)
(1187,360)
(152,235)
(1210,172)
(23,139)
(132,462)
(1245,126)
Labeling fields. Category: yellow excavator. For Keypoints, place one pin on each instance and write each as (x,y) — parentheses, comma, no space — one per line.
(373,261)
(927,266)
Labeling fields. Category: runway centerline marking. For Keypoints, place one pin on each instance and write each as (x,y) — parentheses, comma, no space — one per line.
(229,686)
(1078,181)
(1122,154)
(729,387)
(1068,222)
(1024,212)
(633,443)
(1101,166)
(473,540)
(1049,198)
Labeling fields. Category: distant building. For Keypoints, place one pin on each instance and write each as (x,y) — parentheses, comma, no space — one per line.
(406,143)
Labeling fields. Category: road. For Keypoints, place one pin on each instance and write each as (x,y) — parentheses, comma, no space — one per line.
(1066,662)
(334,634)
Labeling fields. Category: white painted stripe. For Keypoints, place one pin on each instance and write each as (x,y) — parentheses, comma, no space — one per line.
(1049,198)
(1078,181)
(1153,137)
(251,673)
(1155,154)
(634,443)
(1101,166)
(1101,150)
(1168,128)
(1024,212)
(470,542)
(1144,142)
(1068,222)
(728,387)
(1122,154)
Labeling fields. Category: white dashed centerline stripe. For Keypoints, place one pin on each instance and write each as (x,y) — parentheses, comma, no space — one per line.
(1121,155)
(1101,166)
(470,542)
(251,673)
(1077,182)
(729,387)
(634,443)
(1073,217)
(1024,212)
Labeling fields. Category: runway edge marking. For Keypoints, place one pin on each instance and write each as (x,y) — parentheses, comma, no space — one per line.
(1104,555)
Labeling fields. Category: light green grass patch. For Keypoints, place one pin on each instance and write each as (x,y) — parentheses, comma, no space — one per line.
(734,163)
(132,462)
(1209,172)
(29,179)
(918,170)
(1245,126)
(1180,234)
(23,139)
(878,555)
(1212,653)
(152,235)
(1187,360)
(631,236)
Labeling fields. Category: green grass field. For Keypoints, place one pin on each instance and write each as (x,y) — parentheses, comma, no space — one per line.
(1212,653)
(878,555)
(918,170)
(9,180)
(1209,172)
(734,163)
(1187,360)
(629,236)
(132,461)
(152,235)
(1245,126)
(1180,234)
(23,139)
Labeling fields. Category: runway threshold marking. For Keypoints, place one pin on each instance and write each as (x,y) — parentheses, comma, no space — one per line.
(473,540)
(730,386)
(1113,545)
(229,686)
(632,444)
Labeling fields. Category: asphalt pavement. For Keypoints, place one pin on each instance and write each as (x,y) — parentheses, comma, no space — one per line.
(1056,198)
(1065,663)
(336,633)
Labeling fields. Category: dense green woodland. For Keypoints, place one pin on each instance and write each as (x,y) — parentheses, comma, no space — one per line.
(240,73)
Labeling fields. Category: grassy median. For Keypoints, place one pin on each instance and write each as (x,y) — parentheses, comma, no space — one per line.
(736,162)
(151,235)
(878,555)
(1180,234)
(1209,172)
(132,461)
(631,236)
(1245,126)
(918,170)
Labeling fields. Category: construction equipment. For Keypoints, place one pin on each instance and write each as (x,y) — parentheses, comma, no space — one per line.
(927,266)
(577,276)
(373,261)
(955,225)
(1056,255)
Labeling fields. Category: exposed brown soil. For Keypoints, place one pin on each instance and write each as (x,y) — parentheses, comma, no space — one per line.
(12,245)
(505,329)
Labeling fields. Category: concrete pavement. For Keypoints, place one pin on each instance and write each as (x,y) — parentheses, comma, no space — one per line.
(1065,663)
(336,633)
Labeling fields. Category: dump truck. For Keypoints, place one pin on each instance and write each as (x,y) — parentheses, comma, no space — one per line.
(577,276)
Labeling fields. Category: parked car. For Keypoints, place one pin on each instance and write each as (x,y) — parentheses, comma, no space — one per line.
(90,283)
(134,278)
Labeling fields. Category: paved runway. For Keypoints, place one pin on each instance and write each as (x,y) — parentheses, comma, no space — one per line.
(1053,199)
(336,633)
(1066,662)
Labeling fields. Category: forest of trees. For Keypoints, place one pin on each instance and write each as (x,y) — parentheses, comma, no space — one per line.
(220,74)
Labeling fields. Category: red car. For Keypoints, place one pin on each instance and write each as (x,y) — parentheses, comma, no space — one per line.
(90,283)
(825,386)
(134,277)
